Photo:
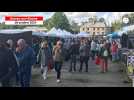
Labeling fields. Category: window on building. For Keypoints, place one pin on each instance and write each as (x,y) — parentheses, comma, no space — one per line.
(83,29)
(102,33)
(87,28)
(93,28)
(98,33)
(97,28)
(93,33)
(102,28)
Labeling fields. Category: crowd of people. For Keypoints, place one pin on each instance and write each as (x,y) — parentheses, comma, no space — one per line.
(16,61)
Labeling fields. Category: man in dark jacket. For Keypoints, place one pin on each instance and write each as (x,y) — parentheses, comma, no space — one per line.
(84,55)
(8,65)
(73,53)
(26,57)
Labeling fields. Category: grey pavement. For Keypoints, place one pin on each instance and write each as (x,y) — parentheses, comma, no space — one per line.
(112,78)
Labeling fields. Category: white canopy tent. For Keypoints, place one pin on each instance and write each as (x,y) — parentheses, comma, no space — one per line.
(59,33)
(42,29)
(12,31)
(16,31)
(53,33)
(39,34)
(82,34)
(67,34)
(36,32)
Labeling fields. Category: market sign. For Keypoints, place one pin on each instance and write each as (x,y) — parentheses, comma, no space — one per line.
(24,20)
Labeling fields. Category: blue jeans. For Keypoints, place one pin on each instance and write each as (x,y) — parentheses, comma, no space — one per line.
(25,78)
(115,56)
(58,66)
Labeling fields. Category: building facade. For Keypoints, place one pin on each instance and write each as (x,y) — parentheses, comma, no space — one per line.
(95,28)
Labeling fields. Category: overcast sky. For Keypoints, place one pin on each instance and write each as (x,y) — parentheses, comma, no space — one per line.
(72,16)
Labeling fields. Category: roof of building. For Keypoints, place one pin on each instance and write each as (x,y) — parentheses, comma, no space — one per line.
(97,24)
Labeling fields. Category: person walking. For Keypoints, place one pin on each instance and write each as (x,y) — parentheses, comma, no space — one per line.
(8,66)
(104,58)
(84,55)
(58,59)
(26,57)
(73,54)
(114,51)
(36,46)
(10,46)
(97,48)
(108,46)
(45,56)
(93,49)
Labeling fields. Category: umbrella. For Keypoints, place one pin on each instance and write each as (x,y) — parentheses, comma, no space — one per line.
(115,35)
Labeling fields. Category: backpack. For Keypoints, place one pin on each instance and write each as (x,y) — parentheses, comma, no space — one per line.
(105,53)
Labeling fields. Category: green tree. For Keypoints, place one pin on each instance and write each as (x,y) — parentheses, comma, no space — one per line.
(101,20)
(47,24)
(75,27)
(59,20)
(116,25)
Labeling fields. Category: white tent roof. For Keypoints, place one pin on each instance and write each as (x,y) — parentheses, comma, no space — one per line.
(82,34)
(12,31)
(36,28)
(59,33)
(39,33)
(67,34)
(53,32)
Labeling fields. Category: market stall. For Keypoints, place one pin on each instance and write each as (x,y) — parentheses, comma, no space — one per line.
(127,57)
(128,62)
(82,35)
(16,34)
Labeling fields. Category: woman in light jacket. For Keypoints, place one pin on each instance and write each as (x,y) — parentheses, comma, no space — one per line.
(44,56)
(58,59)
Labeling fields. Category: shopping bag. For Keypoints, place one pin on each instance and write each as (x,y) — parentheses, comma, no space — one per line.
(50,65)
(97,61)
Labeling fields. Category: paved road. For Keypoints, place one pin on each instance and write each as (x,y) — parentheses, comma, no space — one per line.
(113,78)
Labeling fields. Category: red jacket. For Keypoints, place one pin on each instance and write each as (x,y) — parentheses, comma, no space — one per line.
(114,48)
